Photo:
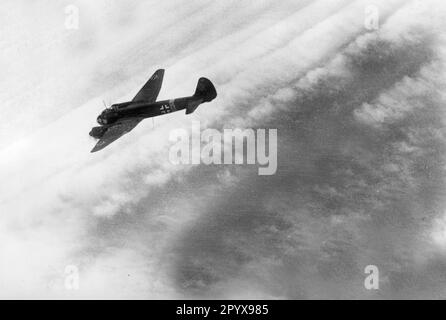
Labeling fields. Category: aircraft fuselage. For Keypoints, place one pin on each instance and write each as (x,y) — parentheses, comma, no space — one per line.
(121,118)
(146,110)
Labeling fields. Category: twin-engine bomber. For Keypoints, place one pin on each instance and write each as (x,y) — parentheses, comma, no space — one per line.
(121,118)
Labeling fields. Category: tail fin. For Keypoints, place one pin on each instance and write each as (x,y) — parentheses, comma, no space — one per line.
(205,90)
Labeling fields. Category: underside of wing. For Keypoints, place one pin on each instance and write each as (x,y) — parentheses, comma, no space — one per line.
(116,131)
(149,92)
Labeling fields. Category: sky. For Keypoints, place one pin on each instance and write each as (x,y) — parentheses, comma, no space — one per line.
(360,181)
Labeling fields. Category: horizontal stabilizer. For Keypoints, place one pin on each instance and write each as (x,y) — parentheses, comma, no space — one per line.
(192,106)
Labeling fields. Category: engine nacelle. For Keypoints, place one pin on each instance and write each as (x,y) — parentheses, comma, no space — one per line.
(97,132)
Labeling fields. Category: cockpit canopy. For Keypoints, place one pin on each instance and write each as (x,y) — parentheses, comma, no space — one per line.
(101,120)
(107,116)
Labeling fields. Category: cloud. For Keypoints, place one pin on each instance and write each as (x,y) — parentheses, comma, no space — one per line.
(360,177)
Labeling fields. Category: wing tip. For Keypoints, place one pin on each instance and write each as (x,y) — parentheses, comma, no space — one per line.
(97,147)
(158,74)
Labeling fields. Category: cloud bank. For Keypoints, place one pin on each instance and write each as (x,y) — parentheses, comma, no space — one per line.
(360,177)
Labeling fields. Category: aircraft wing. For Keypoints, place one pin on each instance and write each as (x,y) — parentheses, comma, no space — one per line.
(149,92)
(116,131)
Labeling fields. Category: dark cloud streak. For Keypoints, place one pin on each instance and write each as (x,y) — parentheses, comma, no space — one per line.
(329,165)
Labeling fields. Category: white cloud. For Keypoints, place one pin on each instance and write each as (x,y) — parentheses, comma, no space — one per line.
(54,192)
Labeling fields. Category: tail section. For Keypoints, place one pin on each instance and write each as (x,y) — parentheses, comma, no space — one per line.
(205,92)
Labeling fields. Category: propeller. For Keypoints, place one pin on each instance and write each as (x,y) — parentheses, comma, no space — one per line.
(103,102)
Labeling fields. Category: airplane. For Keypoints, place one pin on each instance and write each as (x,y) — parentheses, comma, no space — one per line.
(121,118)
